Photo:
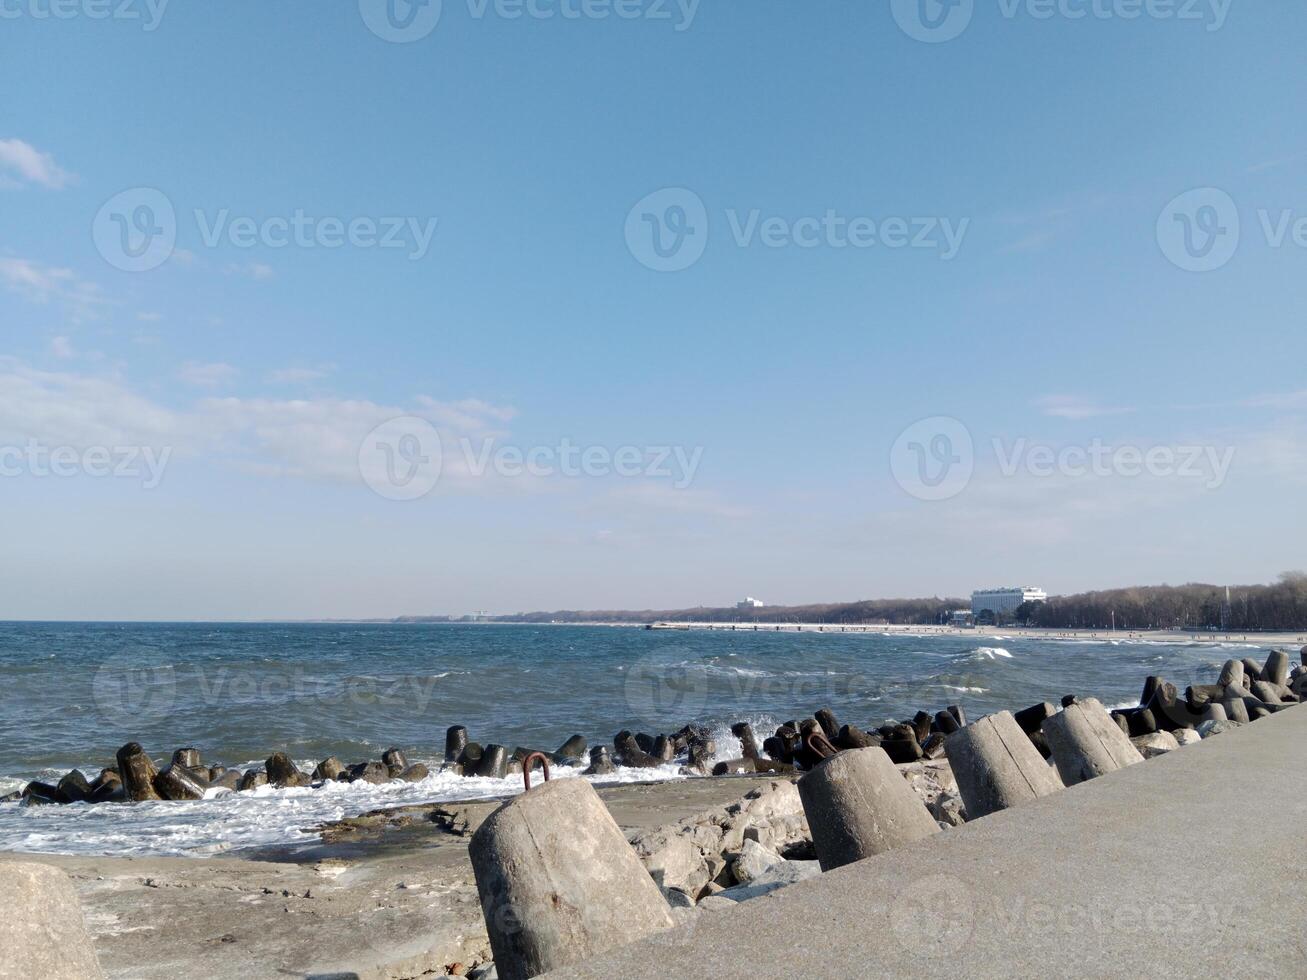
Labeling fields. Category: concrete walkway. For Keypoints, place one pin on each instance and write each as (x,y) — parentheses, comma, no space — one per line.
(1186,865)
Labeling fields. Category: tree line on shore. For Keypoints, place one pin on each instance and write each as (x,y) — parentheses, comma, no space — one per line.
(1281,605)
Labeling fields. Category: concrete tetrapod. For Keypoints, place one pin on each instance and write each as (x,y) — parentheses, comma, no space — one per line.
(1087,743)
(42,933)
(558,881)
(997,766)
(858,804)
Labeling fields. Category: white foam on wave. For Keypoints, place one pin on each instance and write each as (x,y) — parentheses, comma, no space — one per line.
(991,653)
(965,690)
(263,817)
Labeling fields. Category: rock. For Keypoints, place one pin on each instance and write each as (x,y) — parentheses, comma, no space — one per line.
(1276,670)
(42,933)
(230,779)
(455,742)
(733,767)
(645,742)
(1156,743)
(1086,743)
(664,749)
(1209,728)
(558,881)
(470,758)
(1267,691)
(701,754)
(394,761)
(328,768)
(933,746)
(486,971)
(630,754)
(282,771)
(1186,736)
(778,876)
(601,763)
(178,783)
(754,861)
(369,772)
(572,750)
(1196,696)
(107,788)
(1236,710)
(1252,670)
(1068,700)
(997,767)
(946,722)
(37,793)
(1232,674)
(858,805)
(137,772)
(958,714)
(74,788)
(1030,719)
(947,809)
(186,758)
(853,737)
(901,750)
(494,763)
(253,779)
(414,773)
(829,726)
(748,741)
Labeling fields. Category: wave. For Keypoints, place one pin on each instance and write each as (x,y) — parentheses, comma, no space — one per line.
(990,653)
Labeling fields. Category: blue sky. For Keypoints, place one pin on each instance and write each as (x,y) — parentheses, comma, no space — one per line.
(784,364)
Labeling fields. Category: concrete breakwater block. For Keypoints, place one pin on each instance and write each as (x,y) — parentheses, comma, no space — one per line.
(997,766)
(42,933)
(558,881)
(1087,743)
(857,805)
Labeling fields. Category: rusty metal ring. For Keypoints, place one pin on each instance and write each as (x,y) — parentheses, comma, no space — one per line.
(527,764)
(817,740)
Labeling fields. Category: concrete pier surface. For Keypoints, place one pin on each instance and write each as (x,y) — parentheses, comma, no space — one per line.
(1187,865)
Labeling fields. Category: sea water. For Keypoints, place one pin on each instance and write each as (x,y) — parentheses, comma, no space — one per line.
(72,694)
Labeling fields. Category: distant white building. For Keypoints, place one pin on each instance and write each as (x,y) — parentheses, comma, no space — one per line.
(1004,600)
(749,602)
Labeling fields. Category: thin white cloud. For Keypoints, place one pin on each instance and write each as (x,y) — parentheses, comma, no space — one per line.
(1076,408)
(62,347)
(31,166)
(301,375)
(206,375)
(40,283)
(251,270)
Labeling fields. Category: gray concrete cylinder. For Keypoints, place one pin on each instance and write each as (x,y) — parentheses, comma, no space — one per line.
(558,881)
(1086,742)
(997,766)
(1276,670)
(858,805)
